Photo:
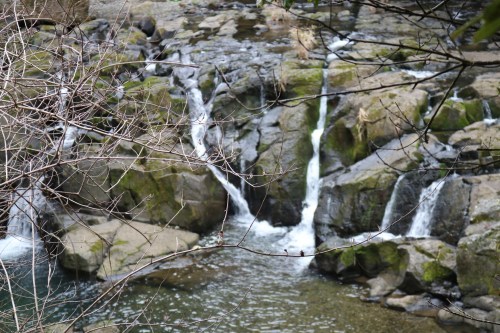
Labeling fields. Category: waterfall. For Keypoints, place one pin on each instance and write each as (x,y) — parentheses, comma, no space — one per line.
(301,237)
(389,208)
(199,113)
(488,115)
(21,228)
(421,224)
(455,97)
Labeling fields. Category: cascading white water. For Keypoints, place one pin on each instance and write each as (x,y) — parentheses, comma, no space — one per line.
(21,228)
(27,203)
(389,208)
(199,115)
(302,236)
(422,221)
(488,115)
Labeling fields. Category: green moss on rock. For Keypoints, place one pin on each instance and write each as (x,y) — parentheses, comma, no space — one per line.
(457,115)
(434,272)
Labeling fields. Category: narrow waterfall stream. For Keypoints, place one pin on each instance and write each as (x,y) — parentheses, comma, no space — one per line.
(389,208)
(301,237)
(199,116)
(422,222)
(29,202)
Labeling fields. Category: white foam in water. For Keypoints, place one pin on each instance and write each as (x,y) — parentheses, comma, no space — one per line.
(421,224)
(488,115)
(419,74)
(383,236)
(338,43)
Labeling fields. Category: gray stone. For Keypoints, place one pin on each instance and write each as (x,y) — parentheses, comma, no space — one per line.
(354,201)
(478,265)
(85,247)
(137,244)
(449,224)
(486,303)
(284,154)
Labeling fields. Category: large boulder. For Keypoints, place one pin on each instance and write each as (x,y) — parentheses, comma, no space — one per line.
(136,244)
(280,170)
(484,203)
(455,115)
(479,140)
(431,261)
(477,262)
(474,199)
(449,224)
(86,247)
(373,119)
(412,266)
(166,192)
(383,262)
(107,248)
(354,201)
(147,185)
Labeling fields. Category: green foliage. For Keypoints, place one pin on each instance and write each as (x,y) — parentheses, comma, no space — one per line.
(490,23)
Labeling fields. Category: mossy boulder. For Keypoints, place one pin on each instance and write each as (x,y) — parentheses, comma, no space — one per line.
(150,100)
(301,78)
(164,190)
(431,262)
(280,170)
(411,266)
(381,261)
(114,63)
(342,74)
(36,64)
(118,246)
(487,87)
(373,119)
(455,115)
(478,264)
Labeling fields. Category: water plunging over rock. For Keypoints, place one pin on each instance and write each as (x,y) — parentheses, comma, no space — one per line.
(387,220)
(200,115)
(302,236)
(422,222)
(22,235)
